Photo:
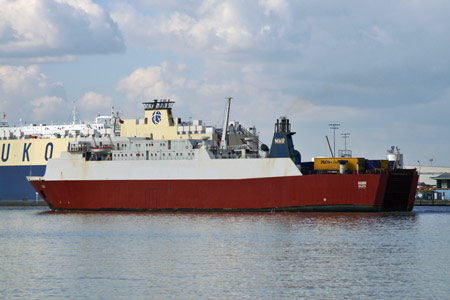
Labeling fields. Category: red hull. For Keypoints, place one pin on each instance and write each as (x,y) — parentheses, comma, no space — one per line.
(385,192)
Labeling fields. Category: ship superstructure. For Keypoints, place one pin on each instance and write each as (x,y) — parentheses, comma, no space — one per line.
(159,123)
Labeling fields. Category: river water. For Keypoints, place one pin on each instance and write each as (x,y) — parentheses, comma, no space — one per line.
(48,255)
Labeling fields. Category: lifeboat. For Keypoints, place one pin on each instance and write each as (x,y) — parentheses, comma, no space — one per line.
(101,150)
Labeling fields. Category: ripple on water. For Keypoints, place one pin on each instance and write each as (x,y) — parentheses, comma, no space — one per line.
(223,255)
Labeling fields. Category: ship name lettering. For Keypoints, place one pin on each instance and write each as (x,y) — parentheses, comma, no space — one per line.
(25,151)
(325,162)
(7,153)
(47,156)
(279,141)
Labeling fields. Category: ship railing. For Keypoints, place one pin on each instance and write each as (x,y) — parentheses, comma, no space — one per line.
(235,155)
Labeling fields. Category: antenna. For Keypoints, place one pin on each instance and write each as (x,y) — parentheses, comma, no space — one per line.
(74,113)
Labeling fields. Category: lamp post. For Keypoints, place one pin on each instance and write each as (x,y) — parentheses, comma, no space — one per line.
(334,126)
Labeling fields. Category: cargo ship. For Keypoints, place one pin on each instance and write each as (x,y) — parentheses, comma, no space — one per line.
(26,150)
(210,175)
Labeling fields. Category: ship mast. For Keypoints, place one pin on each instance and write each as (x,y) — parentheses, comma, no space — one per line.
(223,141)
(74,114)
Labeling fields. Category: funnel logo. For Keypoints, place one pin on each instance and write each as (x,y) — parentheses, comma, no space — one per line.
(156,117)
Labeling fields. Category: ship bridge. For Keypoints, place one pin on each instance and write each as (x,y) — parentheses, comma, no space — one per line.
(158,104)
(159,123)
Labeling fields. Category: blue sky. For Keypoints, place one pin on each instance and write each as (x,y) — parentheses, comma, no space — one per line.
(379,68)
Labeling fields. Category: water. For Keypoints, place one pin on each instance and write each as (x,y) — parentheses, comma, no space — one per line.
(45,255)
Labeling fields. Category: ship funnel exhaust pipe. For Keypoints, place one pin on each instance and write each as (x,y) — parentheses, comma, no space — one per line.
(282,143)
(282,125)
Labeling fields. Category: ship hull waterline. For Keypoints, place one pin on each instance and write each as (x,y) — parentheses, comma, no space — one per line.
(349,192)
(14,187)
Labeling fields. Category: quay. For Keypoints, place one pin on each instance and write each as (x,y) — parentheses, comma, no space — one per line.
(23,202)
(431,202)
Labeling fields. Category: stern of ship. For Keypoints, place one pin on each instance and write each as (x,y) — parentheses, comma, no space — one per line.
(400,190)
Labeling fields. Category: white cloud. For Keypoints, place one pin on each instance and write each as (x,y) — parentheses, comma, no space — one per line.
(17,79)
(27,93)
(56,28)
(47,107)
(92,104)
(154,82)
(144,83)
(215,25)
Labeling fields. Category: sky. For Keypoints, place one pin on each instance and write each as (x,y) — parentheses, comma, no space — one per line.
(381,69)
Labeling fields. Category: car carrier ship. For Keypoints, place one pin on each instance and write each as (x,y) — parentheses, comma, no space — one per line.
(207,175)
(25,150)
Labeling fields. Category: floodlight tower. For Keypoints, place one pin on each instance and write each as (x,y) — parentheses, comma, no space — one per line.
(334,126)
(345,136)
